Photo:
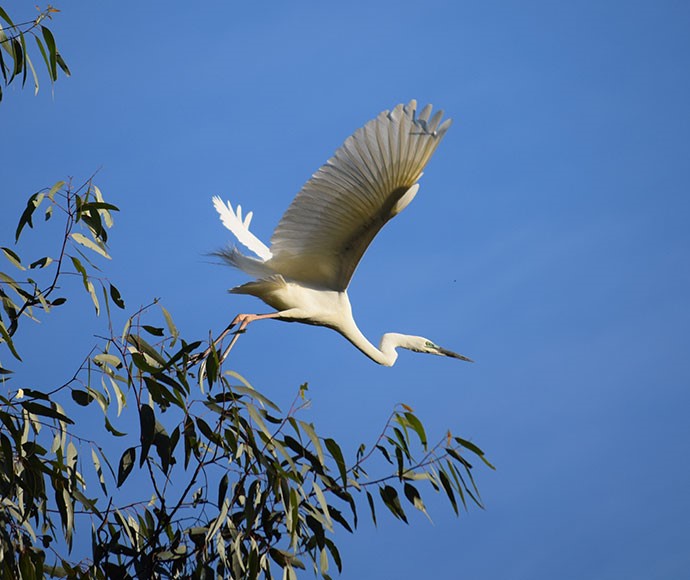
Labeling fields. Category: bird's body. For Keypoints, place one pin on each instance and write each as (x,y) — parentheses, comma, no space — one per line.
(319,241)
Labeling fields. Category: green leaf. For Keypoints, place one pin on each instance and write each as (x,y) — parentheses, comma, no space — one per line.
(418,428)
(384,452)
(323,562)
(147,424)
(209,433)
(455,455)
(106,358)
(414,498)
(8,340)
(392,502)
(35,394)
(222,489)
(163,445)
(472,447)
(33,71)
(66,508)
(126,465)
(172,329)
(111,429)
(53,190)
(98,205)
(402,441)
(401,462)
(80,268)
(43,52)
(445,482)
(81,397)
(309,430)
(25,218)
(52,52)
(13,258)
(41,263)
(334,554)
(190,440)
(459,482)
(6,17)
(99,470)
(254,394)
(44,411)
(324,504)
(211,366)
(105,212)
(219,520)
(256,416)
(116,297)
(62,64)
(7,457)
(142,364)
(283,558)
(94,298)
(337,454)
(154,330)
(338,517)
(18,57)
(88,243)
(146,348)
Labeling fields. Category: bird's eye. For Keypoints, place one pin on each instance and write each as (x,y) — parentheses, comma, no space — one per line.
(430,344)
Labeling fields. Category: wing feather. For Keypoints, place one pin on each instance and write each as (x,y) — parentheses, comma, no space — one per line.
(333,219)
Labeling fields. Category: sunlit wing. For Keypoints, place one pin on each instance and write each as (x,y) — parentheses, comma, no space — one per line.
(371,178)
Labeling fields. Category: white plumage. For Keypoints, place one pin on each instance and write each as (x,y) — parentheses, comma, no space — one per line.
(322,236)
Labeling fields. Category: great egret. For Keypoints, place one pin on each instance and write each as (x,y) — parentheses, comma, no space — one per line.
(321,238)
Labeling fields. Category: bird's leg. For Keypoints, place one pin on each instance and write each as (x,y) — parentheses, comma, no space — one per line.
(243,320)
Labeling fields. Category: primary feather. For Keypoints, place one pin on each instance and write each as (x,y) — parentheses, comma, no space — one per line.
(329,225)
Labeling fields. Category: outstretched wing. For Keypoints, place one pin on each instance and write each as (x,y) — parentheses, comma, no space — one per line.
(371,178)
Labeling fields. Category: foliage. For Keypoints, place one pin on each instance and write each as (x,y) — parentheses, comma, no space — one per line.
(15,62)
(213,478)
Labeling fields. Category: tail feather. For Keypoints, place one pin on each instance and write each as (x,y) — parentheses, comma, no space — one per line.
(240,228)
(252,266)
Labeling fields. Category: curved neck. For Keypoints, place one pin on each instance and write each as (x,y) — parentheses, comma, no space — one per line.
(385,355)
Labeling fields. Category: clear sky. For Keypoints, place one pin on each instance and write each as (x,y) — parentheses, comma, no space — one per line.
(549,241)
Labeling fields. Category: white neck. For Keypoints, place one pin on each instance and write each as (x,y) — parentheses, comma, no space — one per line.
(384,355)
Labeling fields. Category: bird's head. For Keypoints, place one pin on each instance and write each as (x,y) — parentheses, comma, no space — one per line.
(419,344)
(428,346)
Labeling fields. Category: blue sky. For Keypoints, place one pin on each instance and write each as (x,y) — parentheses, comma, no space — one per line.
(549,241)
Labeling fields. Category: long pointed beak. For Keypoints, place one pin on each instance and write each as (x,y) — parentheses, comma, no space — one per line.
(450,353)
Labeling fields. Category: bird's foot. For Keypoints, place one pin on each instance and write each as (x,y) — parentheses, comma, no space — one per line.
(243,321)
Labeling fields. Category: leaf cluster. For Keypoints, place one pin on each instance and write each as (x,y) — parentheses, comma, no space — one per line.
(213,479)
(15,61)
(33,287)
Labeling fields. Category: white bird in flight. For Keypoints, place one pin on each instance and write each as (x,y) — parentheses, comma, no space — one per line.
(322,236)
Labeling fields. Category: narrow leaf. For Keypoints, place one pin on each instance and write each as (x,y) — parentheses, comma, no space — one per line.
(52,52)
(13,258)
(392,502)
(337,454)
(88,243)
(126,465)
(445,482)
(147,424)
(116,297)
(44,411)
